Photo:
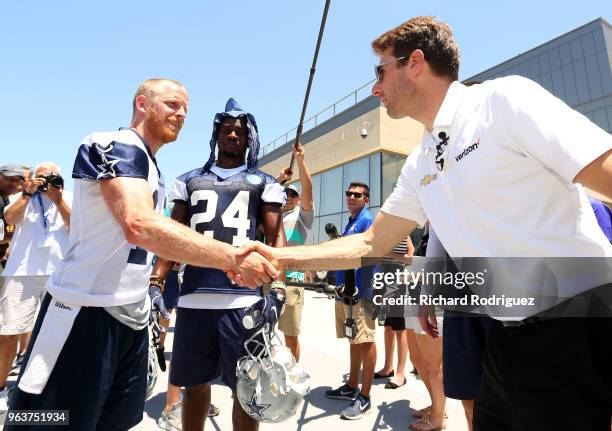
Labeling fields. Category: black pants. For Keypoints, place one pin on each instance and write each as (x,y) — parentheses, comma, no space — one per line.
(549,375)
(100,375)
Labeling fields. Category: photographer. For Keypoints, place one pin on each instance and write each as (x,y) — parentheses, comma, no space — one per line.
(41,215)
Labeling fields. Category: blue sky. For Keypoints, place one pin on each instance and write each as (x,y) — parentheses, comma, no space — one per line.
(71,67)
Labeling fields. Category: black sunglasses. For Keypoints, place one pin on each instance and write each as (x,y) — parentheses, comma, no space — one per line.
(291,193)
(379,70)
(356,195)
(440,148)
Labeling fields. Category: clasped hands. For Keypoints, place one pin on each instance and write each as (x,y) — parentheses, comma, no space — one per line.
(255,264)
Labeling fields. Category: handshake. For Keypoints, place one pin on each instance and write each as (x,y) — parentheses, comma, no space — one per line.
(254,264)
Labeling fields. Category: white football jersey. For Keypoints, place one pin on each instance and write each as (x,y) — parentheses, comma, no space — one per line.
(100,267)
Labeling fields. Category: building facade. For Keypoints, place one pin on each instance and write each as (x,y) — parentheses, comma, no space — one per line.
(355,140)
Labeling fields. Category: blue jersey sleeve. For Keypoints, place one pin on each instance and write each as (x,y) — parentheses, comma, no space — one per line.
(96,162)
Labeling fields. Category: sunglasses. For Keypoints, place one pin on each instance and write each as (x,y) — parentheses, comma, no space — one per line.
(292,194)
(379,70)
(356,195)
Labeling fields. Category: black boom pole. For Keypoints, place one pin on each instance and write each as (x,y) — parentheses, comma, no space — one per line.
(300,126)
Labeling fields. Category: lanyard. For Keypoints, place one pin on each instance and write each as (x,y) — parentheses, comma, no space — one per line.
(43,214)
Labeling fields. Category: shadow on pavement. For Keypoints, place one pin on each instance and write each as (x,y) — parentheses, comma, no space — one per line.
(316,398)
(393,416)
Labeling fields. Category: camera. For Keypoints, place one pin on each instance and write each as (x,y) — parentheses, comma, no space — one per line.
(53,179)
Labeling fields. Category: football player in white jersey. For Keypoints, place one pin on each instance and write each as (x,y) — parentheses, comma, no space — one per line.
(89,346)
(226,199)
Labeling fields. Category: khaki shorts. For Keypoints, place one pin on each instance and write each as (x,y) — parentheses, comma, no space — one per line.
(290,321)
(366,326)
(19,302)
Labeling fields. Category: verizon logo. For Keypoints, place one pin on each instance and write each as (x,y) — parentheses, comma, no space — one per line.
(468,150)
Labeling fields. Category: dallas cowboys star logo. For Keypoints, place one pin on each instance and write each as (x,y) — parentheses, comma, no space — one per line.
(256,409)
(107,168)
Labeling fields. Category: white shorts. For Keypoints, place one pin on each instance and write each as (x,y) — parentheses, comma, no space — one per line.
(19,302)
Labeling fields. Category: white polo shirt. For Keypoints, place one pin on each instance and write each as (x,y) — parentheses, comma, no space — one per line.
(40,241)
(506,188)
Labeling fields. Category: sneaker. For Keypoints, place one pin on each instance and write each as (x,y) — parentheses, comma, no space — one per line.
(4,400)
(161,358)
(344,392)
(213,411)
(171,420)
(17,365)
(358,408)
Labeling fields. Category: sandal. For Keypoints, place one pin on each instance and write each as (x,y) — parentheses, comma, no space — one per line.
(393,385)
(425,413)
(425,425)
(384,376)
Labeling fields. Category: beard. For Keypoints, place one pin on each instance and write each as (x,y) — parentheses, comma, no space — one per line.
(163,129)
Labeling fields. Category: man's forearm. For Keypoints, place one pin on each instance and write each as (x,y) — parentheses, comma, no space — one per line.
(14,213)
(342,253)
(177,243)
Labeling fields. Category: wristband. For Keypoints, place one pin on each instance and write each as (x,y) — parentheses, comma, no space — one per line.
(157,281)
(28,194)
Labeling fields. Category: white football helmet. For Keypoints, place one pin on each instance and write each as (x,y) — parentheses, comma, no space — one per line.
(270,384)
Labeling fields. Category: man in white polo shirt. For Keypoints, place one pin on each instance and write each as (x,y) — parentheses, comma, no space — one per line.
(41,215)
(499,172)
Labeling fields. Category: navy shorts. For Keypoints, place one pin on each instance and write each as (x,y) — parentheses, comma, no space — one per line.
(171,290)
(463,347)
(207,344)
(100,375)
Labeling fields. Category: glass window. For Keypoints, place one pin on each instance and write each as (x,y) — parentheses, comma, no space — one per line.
(316,193)
(313,236)
(601,119)
(588,44)
(605,72)
(524,69)
(391,168)
(544,64)
(555,59)
(569,83)
(345,220)
(336,219)
(600,43)
(358,170)
(582,84)
(576,49)
(375,179)
(331,191)
(534,67)
(547,82)
(594,77)
(564,53)
(557,80)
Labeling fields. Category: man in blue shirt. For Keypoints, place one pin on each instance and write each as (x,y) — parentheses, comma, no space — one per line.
(362,347)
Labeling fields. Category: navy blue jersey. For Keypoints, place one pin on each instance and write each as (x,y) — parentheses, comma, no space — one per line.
(226,209)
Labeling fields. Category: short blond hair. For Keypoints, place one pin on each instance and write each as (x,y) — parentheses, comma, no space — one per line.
(149,89)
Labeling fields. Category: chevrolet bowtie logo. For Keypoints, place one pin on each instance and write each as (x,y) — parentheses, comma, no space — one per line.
(428,179)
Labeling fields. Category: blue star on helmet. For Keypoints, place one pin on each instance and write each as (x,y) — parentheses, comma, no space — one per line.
(256,409)
(107,168)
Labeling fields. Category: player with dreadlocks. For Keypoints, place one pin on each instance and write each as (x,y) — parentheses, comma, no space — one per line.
(226,200)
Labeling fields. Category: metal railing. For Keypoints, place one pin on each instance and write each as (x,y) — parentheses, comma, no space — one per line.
(347,101)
